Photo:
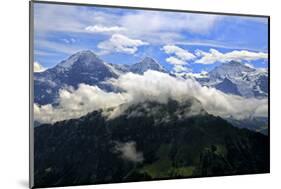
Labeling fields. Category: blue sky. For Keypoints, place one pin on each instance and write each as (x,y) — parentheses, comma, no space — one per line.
(179,41)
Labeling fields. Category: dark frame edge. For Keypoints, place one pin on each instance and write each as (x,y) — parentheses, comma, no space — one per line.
(31,130)
(148,8)
(269,126)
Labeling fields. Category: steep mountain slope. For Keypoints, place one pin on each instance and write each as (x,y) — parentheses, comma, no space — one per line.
(239,79)
(118,69)
(82,67)
(148,141)
(146,64)
(258,124)
(227,86)
(231,69)
(139,68)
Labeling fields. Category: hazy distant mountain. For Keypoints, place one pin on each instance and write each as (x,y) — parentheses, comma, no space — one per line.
(227,86)
(232,69)
(239,79)
(140,144)
(258,124)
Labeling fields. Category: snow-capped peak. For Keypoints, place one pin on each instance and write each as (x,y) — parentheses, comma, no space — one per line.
(85,57)
(232,69)
(146,64)
(239,79)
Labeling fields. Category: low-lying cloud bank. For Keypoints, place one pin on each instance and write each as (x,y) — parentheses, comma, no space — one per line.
(76,103)
(154,86)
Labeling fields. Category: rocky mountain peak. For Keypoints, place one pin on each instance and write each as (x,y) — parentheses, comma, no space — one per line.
(147,63)
(86,57)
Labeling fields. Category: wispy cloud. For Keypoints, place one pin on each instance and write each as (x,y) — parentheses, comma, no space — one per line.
(104,29)
(43,53)
(55,26)
(180,53)
(217,44)
(175,61)
(162,26)
(215,56)
(165,21)
(180,69)
(57,47)
(69,40)
(66,18)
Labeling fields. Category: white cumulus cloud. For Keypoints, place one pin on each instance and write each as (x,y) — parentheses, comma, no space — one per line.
(180,68)
(121,43)
(175,61)
(37,67)
(76,103)
(180,53)
(215,56)
(179,57)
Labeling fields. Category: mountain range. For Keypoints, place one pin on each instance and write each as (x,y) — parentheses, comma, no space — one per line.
(85,67)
